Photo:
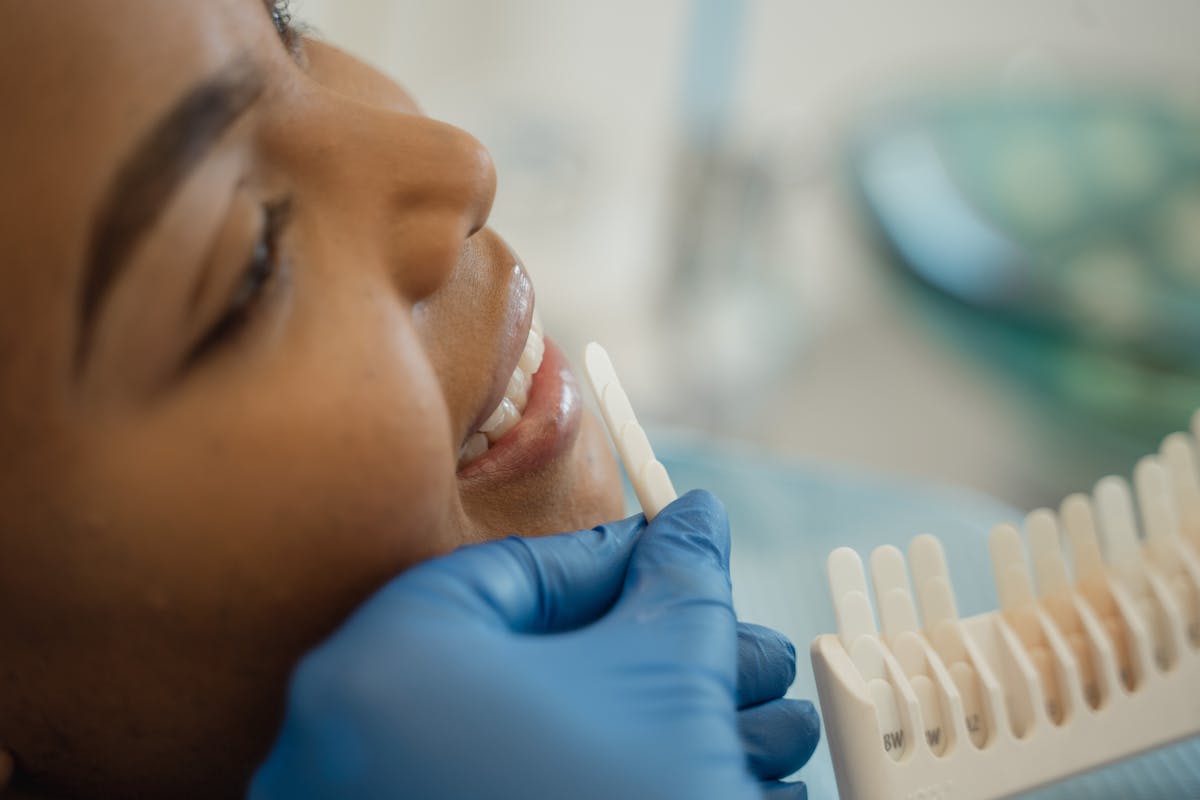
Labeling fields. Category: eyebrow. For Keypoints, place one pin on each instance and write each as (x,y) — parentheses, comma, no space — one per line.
(145,182)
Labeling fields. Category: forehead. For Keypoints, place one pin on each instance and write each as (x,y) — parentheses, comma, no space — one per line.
(80,82)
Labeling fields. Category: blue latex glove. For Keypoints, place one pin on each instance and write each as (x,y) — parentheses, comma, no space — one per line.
(600,664)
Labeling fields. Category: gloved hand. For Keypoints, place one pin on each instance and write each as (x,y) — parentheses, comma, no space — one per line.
(600,664)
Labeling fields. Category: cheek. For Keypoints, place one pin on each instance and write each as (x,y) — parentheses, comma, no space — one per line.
(233,530)
(206,546)
(332,473)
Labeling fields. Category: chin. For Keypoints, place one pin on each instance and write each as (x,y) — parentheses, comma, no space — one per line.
(596,494)
(579,491)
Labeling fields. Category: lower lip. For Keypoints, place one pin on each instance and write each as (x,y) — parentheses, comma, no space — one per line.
(547,428)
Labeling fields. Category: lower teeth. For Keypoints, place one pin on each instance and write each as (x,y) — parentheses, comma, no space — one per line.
(476,446)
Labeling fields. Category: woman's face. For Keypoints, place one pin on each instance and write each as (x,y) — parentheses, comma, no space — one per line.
(250,319)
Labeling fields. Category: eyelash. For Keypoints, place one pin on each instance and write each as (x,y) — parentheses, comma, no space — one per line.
(262,266)
(281,15)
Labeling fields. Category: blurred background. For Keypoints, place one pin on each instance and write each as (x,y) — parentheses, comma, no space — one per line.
(957,241)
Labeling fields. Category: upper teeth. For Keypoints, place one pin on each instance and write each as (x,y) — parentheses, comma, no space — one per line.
(508,413)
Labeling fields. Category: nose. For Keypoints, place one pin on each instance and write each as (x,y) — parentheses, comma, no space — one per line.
(418,188)
(440,183)
(442,168)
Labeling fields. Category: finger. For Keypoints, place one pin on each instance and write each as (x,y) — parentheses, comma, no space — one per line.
(766,664)
(779,736)
(544,584)
(683,557)
(677,596)
(778,790)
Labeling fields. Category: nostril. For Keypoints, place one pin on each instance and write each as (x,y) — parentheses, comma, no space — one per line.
(426,254)
(486,192)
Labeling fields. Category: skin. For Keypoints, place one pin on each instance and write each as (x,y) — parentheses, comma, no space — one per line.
(177,530)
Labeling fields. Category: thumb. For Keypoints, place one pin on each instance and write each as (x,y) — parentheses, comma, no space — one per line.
(531,585)
(681,562)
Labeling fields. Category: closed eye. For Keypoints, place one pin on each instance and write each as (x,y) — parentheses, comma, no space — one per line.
(261,267)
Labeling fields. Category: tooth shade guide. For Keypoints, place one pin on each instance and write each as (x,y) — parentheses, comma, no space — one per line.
(1179,456)
(857,630)
(935,595)
(1045,547)
(620,412)
(939,613)
(599,368)
(1065,697)
(1159,520)
(1079,523)
(654,488)
(897,613)
(967,683)
(1117,525)
(1009,568)
(646,473)
(927,700)
(1180,566)
(848,588)
(1090,658)
(633,444)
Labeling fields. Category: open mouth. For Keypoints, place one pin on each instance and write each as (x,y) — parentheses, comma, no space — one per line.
(507,413)
(537,420)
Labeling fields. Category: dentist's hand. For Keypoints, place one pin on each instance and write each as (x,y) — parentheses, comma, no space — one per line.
(600,664)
